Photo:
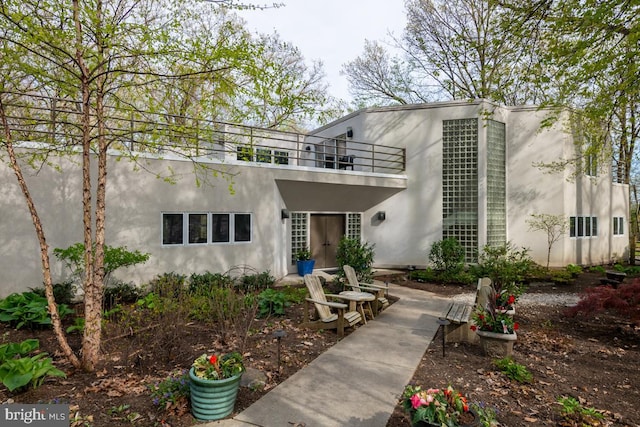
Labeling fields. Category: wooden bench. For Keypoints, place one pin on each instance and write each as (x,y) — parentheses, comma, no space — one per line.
(459,315)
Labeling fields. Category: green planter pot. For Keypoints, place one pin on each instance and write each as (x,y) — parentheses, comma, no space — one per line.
(213,399)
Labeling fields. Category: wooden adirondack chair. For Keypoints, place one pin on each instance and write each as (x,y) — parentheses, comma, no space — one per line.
(341,319)
(379,290)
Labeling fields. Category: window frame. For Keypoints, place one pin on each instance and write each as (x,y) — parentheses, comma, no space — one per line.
(231,224)
(618,226)
(583,226)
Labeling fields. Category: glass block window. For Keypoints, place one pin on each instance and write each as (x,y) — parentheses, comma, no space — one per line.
(299,233)
(496,184)
(354,226)
(460,184)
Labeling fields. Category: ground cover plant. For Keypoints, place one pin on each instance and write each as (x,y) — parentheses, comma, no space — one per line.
(580,366)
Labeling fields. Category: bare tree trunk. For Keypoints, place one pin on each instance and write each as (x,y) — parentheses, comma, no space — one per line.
(44,247)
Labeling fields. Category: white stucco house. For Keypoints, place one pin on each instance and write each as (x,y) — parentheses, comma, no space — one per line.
(400,178)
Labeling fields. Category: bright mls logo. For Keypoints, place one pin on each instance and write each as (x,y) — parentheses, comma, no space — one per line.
(34,415)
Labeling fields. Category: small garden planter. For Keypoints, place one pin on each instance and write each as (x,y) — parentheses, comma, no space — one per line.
(495,344)
(213,399)
(305,266)
(471,420)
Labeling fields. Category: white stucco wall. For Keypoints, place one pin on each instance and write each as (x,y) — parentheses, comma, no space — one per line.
(135,202)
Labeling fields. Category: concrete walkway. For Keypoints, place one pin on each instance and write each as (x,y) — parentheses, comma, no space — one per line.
(358,381)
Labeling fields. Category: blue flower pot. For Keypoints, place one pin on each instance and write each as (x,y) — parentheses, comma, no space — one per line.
(306,267)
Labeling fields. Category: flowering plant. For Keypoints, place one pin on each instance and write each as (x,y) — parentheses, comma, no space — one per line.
(442,407)
(490,320)
(216,367)
(505,300)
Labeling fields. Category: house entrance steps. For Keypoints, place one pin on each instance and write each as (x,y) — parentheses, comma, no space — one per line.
(358,381)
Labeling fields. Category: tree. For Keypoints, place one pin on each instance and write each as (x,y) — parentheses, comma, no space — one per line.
(555,226)
(590,51)
(452,50)
(81,78)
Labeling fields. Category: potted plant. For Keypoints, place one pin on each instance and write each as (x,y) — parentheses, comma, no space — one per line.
(495,329)
(438,407)
(304,262)
(213,382)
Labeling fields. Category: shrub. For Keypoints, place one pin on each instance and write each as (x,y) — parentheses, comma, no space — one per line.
(572,410)
(255,282)
(623,301)
(63,292)
(203,283)
(272,302)
(114,258)
(597,269)
(513,370)
(506,266)
(447,255)
(29,310)
(169,285)
(122,293)
(574,270)
(358,255)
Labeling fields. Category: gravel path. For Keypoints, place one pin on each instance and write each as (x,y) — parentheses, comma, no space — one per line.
(567,299)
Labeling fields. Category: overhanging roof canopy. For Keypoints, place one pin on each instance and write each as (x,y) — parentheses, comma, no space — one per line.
(337,197)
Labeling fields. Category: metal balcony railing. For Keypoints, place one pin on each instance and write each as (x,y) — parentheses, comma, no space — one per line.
(57,123)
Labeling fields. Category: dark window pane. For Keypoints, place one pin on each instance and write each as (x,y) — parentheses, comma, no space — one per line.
(580,226)
(244,154)
(587,222)
(242,228)
(220,228)
(594,226)
(281,157)
(171,229)
(620,226)
(263,155)
(572,226)
(197,228)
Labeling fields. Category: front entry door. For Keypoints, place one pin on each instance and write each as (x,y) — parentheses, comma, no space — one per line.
(326,232)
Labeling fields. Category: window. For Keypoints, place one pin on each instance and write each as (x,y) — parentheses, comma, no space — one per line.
(242,228)
(198,228)
(281,157)
(220,228)
(460,183)
(583,226)
(618,226)
(591,165)
(263,155)
(244,153)
(172,229)
(203,228)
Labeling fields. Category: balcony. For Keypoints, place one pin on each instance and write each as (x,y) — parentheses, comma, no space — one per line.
(55,123)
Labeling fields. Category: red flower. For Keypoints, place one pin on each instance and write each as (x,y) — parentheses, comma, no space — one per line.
(474,327)
(511,299)
(213,359)
(516,326)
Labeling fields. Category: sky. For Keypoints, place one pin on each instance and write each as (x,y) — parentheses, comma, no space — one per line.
(332,31)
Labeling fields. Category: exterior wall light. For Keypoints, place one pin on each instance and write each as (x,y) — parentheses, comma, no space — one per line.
(381,215)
